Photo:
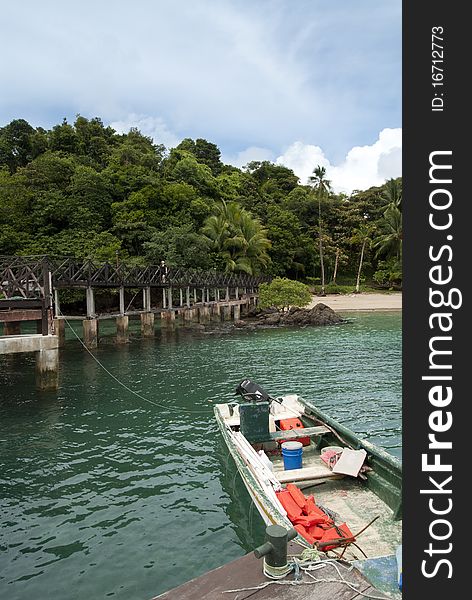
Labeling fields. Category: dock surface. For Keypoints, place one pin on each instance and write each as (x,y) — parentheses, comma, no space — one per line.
(244,575)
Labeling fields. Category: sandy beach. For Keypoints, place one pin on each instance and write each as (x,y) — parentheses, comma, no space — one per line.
(366,301)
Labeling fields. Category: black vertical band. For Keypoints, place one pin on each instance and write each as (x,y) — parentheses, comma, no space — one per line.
(436,122)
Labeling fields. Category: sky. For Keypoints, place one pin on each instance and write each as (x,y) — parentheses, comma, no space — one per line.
(297,82)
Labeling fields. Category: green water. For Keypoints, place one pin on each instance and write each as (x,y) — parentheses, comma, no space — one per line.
(105,495)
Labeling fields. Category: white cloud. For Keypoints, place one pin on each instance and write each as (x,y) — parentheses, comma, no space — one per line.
(248,155)
(238,73)
(153,127)
(363,166)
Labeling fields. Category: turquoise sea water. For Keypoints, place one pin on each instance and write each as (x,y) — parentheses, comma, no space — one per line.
(103,494)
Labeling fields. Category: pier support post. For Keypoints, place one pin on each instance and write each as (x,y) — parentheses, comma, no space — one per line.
(227,294)
(122,324)
(60,330)
(237,293)
(226,312)
(216,312)
(12,328)
(194,295)
(169,297)
(164,303)
(237,312)
(47,369)
(90,327)
(147,324)
(181,294)
(187,298)
(90,297)
(203,314)
(57,304)
(167,318)
(147,299)
(122,300)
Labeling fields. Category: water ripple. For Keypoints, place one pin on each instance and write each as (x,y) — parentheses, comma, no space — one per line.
(104,495)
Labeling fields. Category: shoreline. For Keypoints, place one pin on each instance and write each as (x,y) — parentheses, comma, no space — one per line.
(360,302)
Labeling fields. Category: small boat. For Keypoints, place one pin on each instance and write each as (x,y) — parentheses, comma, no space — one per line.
(303,470)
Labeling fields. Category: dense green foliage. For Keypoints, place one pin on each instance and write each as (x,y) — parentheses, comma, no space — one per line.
(83,190)
(283,293)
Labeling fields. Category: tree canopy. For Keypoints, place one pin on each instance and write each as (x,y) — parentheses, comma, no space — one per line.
(82,189)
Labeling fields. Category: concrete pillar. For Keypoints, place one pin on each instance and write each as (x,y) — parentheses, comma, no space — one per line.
(203,314)
(194,295)
(226,312)
(90,327)
(147,299)
(122,300)
(237,312)
(227,294)
(47,369)
(122,324)
(217,295)
(90,297)
(237,293)
(167,318)
(191,315)
(203,295)
(186,315)
(169,297)
(181,293)
(215,312)
(187,297)
(164,295)
(60,330)
(12,328)
(147,324)
(57,305)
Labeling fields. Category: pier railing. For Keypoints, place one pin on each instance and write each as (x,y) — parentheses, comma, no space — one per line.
(36,276)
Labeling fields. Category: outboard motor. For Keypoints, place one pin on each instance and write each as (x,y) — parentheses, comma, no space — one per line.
(254,411)
(251,391)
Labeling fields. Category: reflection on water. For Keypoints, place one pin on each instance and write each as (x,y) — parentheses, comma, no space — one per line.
(103,494)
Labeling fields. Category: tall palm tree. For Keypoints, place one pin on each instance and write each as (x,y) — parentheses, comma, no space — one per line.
(362,235)
(322,187)
(393,193)
(389,242)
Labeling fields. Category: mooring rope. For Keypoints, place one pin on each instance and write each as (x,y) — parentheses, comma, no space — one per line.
(310,566)
(131,391)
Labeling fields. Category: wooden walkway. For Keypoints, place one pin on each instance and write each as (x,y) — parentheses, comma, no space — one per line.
(246,572)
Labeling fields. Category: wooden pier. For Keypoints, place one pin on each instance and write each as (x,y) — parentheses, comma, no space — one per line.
(244,575)
(30,290)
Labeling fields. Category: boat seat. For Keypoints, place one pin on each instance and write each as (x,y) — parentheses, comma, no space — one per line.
(295,434)
(306,474)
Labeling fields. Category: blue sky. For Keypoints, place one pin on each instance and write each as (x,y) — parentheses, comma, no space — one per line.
(292,81)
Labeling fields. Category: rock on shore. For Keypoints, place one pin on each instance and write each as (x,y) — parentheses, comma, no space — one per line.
(320,314)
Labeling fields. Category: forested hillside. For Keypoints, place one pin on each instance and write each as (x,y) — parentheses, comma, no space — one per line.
(83,190)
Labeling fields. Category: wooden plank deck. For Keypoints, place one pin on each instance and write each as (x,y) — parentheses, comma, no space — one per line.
(246,572)
(306,474)
(295,434)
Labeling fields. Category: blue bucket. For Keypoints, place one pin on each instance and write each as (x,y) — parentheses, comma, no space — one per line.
(292,455)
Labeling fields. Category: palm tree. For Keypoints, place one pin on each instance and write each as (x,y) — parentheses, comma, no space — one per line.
(238,237)
(322,186)
(393,193)
(389,242)
(363,235)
